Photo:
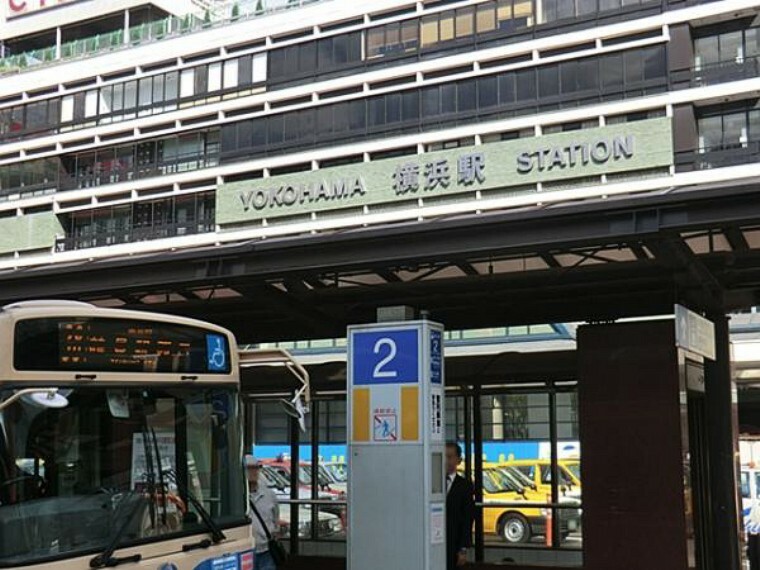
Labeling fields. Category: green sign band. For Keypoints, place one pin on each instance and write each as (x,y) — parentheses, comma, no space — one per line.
(627,147)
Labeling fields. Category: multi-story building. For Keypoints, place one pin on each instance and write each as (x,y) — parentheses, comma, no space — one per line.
(179,133)
(133,127)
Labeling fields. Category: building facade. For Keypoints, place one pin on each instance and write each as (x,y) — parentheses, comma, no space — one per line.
(198,150)
(344,114)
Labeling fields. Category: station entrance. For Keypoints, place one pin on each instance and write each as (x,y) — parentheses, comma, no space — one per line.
(655,447)
(567,468)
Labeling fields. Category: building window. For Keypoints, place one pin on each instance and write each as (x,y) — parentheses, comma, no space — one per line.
(504,94)
(314,57)
(728,127)
(722,46)
(187,83)
(168,217)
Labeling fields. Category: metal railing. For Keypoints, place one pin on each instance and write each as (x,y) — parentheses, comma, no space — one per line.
(718,156)
(714,73)
(90,239)
(166,28)
(316,528)
(115,172)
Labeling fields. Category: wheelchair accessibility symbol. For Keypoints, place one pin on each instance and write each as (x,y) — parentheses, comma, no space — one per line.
(216,353)
(385,427)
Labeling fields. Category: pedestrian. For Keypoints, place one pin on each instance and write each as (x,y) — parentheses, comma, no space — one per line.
(460,510)
(264,501)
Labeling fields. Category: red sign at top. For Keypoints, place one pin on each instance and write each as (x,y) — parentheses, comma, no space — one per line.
(21,7)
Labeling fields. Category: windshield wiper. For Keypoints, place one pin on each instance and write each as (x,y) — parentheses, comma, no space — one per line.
(216,533)
(106,559)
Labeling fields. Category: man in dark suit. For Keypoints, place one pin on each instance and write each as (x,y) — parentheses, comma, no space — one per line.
(460,510)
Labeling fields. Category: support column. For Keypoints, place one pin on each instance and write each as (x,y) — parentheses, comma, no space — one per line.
(126,27)
(478,437)
(58,42)
(295,484)
(632,437)
(721,410)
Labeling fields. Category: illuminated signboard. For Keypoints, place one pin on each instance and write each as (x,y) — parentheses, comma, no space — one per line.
(21,7)
(115,345)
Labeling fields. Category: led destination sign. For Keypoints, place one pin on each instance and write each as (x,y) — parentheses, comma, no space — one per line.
(513,165)
(114,345)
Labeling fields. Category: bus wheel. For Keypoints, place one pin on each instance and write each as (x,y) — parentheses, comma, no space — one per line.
(515,528)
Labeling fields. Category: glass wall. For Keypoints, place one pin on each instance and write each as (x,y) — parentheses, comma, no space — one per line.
(480,23)
(561,85)
(729,134)
(138,221)
(130,99)
(110,165)
(722,45)
(320,507)
(316,56)
(728,127)
(528,477)
(531,478)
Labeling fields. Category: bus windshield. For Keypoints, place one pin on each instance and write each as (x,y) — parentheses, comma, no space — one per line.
(116,462)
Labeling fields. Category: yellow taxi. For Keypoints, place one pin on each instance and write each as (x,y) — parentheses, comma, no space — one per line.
(526,518)
(539,471)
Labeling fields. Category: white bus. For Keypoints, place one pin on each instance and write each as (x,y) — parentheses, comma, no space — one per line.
(120,441)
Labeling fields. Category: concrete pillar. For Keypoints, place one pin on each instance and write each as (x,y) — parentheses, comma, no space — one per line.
(634,439)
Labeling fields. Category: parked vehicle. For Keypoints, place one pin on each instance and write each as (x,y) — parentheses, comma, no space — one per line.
(283,468)
(338,474)
(526,517)
(540,473)
(329,524)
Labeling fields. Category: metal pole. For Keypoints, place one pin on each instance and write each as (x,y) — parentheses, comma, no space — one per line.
(478,436)
(295,464)
(315,469)
(555,528)
(467,436)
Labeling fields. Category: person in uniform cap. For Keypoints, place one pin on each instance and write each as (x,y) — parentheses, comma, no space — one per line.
(262,497)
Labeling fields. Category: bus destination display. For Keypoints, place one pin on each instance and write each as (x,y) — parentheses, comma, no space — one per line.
(113,345)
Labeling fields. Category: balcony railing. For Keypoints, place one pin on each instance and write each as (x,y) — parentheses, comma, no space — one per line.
(103,238)
(712,74)
(114,171)
(170,27)
(718,156)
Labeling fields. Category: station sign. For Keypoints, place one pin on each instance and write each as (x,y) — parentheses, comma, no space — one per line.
(22,7)
(694,333)
(515,165)
(395,382)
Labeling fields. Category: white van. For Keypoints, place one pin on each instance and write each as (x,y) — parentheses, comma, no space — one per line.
(749,485)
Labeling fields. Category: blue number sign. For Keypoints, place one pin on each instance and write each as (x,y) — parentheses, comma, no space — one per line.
(385,357)
(436,356)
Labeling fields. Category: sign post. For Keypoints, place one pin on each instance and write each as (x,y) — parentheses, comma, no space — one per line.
(396,484)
